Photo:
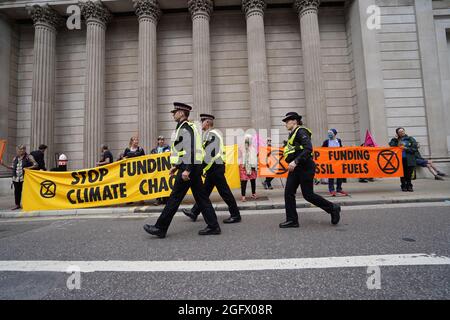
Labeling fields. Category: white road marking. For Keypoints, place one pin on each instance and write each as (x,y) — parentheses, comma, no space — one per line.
(419,259)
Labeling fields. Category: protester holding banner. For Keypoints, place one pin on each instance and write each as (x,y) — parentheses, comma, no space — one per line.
(248,163)
(161,146)
(20,162)
(298,154)
(267,184)
(106,157)
(186,159)
(334,142)
(133,150)
(410,148)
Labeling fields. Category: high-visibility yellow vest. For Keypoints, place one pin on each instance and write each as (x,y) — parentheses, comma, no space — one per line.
(290,147)
(221,154)
(175,155)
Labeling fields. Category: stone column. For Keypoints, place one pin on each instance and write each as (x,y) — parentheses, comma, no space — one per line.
(316,109)
(429,58)
(201,12)
(148,13)
(45,21)
(368,73)
(5,63)
(6,34)
(257,64)
(96,17)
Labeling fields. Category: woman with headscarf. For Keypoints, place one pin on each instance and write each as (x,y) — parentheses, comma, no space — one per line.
(248,162)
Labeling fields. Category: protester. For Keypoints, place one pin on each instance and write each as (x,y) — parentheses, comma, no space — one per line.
(20,162)
(62,163)
(267,184)
(133,150)
(161,147)
(248,162)
(369,141)
(106,157)
(38,155)
(424,163)
(410,149)
(334,142)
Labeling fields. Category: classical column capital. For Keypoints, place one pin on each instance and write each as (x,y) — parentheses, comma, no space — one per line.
(305,6)
(200,8)
(252,7)
(95,11)
(44,15)
(147,9)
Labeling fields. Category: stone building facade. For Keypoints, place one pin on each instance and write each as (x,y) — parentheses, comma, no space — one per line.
(246,61)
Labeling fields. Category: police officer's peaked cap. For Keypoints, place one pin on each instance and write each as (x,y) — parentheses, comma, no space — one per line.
(292,116)
(181,106)
(205,116)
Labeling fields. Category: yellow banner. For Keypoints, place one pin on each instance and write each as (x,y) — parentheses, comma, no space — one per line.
(129,180)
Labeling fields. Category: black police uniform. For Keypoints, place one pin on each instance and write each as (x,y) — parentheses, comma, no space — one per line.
(303,175)
(215,177)
(181,187)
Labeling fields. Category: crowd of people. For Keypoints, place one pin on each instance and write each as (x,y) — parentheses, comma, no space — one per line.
(248,164)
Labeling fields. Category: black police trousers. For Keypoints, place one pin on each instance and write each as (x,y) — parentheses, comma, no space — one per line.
(303,176)
(215,177)
(179,191)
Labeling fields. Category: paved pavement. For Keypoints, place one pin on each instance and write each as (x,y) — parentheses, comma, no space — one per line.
(382,191)
(364,232)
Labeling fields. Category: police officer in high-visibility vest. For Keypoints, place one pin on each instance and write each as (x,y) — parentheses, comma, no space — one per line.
(214,170)
(186,159)
(298,154)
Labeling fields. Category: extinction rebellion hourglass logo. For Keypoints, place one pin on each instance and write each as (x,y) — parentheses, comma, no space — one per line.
(48,189)
(388,161)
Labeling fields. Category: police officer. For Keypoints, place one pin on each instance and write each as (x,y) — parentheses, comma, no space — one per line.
(298,154)
(214,169)
(186,159)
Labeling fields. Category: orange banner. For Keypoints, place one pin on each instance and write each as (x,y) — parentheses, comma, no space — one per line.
(345,162)
(2,148)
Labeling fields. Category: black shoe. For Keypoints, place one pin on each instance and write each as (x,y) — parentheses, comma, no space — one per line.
(270,187)
(209,231)
(336,214)
(438,178)
(404,189)
(232,220)
(265,185)
(441,174)
(190,214)
(289,224)
(154,231)
(410,189)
